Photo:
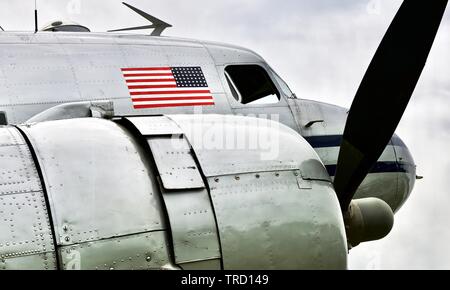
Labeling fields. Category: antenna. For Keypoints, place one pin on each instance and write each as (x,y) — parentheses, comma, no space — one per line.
(158,25)
(2,28)
(35,17)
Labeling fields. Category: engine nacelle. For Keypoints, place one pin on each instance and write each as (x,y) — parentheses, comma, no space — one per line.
(166,192)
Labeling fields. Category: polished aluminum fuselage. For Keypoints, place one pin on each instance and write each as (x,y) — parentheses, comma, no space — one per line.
(43,70)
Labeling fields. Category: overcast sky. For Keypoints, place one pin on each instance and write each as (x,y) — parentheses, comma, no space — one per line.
(322,49)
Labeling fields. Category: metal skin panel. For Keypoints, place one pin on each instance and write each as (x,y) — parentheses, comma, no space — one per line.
(277,219)
(147,251)
(68,67)
(279,112)
(176,165)
(10,137)
(191,217)
(392,187)
(193,227)
(17,171)
(223,143)
(258,166)
(98,180)
(156,125)
(407,179)
(268,222)
(228,54)
(45,261)
(329,155)
(26,239)
(202,265)
(389,185)
(333,117)
(72,67)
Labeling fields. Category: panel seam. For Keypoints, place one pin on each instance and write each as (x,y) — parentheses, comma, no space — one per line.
(45,194)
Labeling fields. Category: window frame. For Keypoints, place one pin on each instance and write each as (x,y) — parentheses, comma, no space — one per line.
(237,104)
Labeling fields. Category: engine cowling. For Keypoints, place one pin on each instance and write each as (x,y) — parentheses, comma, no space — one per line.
(166,192)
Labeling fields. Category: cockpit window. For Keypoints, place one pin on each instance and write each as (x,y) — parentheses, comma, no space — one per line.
(251,84)
(283,85)
(3,120)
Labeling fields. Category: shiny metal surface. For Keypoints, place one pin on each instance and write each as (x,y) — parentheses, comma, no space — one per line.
(36,261)
(269,223)
(98,180)
(25,235)
(192,224)
(270,149)
(201,265)
(98,109)
(44,70)
(392,185)
(155,125)
(176,165)
(146,251)
(193,227)
(284,217)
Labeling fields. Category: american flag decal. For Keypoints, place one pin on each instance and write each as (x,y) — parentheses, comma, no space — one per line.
(158,87)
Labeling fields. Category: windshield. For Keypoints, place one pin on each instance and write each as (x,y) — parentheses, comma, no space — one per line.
(283,85)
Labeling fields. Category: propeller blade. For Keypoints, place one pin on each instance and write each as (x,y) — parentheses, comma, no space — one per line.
(385,92)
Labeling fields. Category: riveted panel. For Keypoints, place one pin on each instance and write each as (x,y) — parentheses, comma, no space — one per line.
(98,180)
(266,221)
(193,226)
(176,165)
(10,136)
(42,261)
(17,171)
(192,223)
(214,169)
(26,240)
(230,144)
(158,125)
(144,251)
(202,265)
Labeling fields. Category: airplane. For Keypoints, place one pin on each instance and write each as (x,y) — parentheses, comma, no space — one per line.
(119,151)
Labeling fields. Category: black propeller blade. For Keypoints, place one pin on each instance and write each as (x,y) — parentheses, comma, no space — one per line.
(385,91)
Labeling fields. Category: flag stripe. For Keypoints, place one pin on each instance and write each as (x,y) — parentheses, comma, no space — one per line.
(150,106)
(150,78)
(147,69)
(172,95)
(171,92)
(152,87)
(171,80)
(149,75)
(173,102)
(155,86)
(172,99)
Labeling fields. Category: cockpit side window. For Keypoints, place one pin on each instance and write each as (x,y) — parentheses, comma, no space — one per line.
(283,86)
(3,120)
(251,84)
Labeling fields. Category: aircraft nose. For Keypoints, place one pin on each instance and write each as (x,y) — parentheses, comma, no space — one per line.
(406,169)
